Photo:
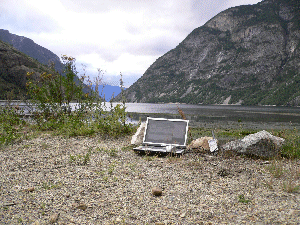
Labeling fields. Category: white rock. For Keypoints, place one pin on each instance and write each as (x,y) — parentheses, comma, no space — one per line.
(262,144)
(137,138)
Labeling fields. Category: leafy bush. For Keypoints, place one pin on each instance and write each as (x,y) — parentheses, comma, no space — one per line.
(53,96)
(10,125)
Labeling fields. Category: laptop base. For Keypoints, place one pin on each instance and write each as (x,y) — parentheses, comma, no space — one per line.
(161,149)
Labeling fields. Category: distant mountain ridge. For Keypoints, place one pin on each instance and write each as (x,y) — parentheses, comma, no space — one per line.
(13,75)
(14,66)
(25,49)
(29,47)
(244,55)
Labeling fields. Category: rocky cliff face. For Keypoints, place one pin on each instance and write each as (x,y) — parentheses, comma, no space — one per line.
(30,48)
(19,55)
(14,66)
(245,55)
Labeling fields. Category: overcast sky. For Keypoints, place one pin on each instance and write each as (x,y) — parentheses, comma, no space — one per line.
(115,35)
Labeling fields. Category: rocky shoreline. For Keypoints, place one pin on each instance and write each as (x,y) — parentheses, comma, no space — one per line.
(97,180)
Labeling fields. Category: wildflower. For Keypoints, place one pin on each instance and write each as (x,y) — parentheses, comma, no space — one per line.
(29,74)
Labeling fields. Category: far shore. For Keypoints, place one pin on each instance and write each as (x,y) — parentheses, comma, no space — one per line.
(176,103)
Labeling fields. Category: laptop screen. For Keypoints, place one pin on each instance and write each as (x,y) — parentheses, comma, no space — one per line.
(166,131)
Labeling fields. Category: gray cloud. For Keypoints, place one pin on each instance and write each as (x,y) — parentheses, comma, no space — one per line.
(125,35)
(154,46)
(96,6)
(17,16)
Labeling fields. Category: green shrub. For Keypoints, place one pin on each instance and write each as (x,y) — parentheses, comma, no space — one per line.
(10,125)
(52,95)
(291,147)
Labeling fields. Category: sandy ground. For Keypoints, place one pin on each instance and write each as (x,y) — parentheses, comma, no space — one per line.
(96,180)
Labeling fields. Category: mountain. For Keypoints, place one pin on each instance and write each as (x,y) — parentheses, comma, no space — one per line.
(14,66)
(44,56)
(25,50)
(29,47)
(244,55)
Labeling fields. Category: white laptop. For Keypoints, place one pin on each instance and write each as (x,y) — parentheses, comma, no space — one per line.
(165,135)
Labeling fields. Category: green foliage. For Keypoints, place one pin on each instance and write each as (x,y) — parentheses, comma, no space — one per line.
(221,133)
(80,159)
(51,94)
(291,148)
(243,200)
(54,95)
(50,185)
(285,92)
(112,152)
(10,125)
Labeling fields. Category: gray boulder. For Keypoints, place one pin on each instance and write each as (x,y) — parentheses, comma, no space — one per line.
(261,144)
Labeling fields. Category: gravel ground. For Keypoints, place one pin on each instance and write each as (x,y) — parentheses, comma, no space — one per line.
(95,180)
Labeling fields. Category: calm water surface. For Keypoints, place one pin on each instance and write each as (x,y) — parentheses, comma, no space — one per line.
(256,117)
(222,112)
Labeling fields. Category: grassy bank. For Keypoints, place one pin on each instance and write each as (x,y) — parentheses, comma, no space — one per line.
(14,128)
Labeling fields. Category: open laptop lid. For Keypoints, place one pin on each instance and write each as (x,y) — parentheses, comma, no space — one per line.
(160,131)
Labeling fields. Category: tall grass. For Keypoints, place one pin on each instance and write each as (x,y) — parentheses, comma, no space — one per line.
(291,148)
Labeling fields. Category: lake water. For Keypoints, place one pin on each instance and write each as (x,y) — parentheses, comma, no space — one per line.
(253,117)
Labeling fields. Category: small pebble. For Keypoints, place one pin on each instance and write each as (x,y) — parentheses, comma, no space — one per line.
(82,206)
(54,218)
(156,191)
(31,189)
